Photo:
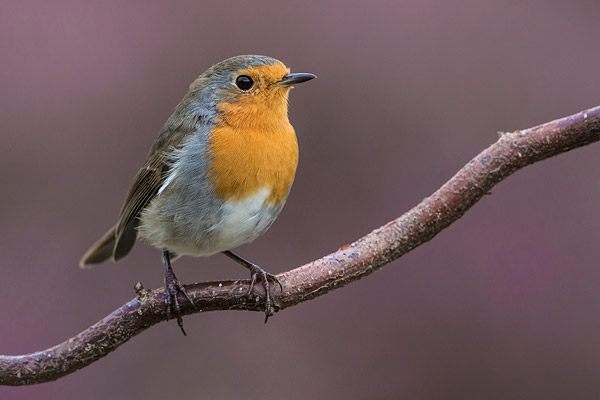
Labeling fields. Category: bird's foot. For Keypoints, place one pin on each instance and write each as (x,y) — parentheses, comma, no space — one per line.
(172,288)
(257,272)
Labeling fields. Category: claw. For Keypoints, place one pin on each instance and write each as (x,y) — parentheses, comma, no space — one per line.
(172,288)
(255,273)
(259,273)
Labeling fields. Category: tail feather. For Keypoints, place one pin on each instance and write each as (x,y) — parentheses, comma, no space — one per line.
(100,251)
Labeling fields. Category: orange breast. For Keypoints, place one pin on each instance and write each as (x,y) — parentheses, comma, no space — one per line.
(254,145)
(244,160)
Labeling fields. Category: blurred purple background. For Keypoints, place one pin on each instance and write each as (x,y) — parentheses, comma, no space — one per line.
(502,305)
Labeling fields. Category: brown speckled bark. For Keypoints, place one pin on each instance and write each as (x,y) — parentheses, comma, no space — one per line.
(511,152)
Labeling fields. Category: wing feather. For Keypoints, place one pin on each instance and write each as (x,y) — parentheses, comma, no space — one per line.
(146,185)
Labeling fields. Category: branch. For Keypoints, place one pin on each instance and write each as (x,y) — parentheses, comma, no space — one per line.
(511,152)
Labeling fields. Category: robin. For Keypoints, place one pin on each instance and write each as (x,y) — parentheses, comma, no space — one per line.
(218,174)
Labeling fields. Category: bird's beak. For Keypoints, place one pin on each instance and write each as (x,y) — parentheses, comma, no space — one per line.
(292,79)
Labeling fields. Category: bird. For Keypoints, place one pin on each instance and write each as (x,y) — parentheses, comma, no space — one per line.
(216,177)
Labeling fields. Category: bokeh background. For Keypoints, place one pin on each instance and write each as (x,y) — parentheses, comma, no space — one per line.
(502,305)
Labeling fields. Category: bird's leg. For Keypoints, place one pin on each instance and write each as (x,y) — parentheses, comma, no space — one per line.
(255,273)
(172,288)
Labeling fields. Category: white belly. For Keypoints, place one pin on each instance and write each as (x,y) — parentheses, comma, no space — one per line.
(202,231)
(243,221)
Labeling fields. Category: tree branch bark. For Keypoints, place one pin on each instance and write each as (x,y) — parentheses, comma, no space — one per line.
(511,152)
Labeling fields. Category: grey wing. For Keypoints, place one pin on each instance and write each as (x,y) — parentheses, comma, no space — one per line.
(119,240)
(146,184)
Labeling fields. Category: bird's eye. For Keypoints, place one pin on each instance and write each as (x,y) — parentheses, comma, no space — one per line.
(244,82)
